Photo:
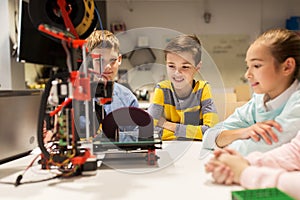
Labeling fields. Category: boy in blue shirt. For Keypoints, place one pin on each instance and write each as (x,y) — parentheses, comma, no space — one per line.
(103,47)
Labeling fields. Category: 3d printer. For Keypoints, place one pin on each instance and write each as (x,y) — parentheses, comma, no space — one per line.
(65,92)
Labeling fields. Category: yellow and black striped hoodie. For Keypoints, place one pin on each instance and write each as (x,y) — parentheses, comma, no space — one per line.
(193,115)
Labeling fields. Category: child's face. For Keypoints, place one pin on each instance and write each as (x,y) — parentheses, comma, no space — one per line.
(264,76)
(181,70)
(110,62)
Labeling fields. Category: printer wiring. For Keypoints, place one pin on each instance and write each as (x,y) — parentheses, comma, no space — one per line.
(19,178)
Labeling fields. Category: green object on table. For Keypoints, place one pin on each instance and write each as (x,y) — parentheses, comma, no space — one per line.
(260,194)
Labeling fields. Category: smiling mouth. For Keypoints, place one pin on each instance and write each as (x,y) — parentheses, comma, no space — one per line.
(178,79)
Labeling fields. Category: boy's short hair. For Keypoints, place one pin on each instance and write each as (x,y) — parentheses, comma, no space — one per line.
(185,43)
(103,39)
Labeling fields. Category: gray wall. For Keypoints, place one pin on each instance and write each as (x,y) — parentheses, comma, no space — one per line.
(12,74)
(241,18)
(229,18)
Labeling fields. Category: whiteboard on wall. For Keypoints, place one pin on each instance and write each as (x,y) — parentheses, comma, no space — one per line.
(228,51)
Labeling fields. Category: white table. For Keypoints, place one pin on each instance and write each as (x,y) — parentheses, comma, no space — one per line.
(179,174)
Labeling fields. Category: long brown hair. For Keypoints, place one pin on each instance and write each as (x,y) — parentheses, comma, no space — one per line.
(283,44)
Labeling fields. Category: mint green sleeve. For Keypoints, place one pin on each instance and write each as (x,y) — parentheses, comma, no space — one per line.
(241,118)
(289,119)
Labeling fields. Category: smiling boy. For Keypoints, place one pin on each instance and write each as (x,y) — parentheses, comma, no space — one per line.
(183,107)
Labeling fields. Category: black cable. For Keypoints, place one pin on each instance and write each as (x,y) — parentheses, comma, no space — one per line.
(99,18)
(20,176)
(43,107)
(28,182)
(18,180)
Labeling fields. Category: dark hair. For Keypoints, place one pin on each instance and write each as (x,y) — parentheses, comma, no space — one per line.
(283,44)
(185,43)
